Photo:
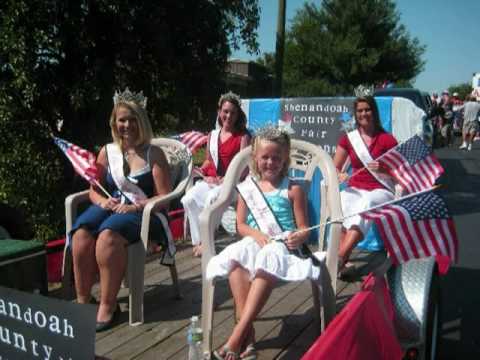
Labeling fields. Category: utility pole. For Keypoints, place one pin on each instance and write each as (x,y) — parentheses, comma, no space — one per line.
(279,48)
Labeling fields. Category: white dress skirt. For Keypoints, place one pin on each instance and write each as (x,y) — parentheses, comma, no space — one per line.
(356,200)
(194,201)
(274,258)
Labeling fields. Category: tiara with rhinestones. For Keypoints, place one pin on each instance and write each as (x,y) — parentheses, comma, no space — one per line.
(364,90)
(271,132)
(128,96)
(230,97)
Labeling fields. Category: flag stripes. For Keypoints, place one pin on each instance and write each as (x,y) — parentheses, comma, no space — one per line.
(413,165)
(83,161)
(192,139)
(415,228)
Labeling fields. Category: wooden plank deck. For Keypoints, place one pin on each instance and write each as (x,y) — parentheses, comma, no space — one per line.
(285,328)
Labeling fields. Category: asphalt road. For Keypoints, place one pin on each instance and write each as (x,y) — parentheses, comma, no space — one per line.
(460,335)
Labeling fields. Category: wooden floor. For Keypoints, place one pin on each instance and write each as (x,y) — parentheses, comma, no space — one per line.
(285,328)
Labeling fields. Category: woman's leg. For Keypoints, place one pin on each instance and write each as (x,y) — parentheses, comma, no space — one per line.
(111,255)
(190,201)
(260,290)
(84,264)
(349,240)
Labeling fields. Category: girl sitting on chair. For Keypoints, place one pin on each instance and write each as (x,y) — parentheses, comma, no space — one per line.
(269,207)
(223,144)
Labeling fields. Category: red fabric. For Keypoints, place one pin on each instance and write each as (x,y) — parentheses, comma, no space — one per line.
(381,143)
(443,264)
(362,330)
(175,222)
(55,259)
(227,150)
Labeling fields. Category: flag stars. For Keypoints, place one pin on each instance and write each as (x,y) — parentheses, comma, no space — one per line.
(426,206)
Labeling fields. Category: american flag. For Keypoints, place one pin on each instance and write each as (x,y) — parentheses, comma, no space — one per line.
(83,161)
(413,165)
(416,227)
(192,139)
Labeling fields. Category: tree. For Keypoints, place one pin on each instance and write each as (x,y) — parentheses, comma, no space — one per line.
(60,62)
(462,89)
(343,43)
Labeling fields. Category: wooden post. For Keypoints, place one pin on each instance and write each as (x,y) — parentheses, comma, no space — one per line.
(280,46)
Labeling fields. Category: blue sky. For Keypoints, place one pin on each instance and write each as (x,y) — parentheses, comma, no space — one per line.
(449,29)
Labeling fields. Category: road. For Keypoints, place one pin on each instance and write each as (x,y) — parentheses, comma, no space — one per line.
(460,337)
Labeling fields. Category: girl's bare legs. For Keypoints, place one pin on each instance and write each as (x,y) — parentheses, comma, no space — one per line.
(111,257)
(260,290)
(84,264)
(239,280)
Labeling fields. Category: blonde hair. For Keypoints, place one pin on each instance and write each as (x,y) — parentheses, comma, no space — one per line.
(145,133)
(276,136)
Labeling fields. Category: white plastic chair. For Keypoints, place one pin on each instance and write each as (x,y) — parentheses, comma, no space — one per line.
(180,161)
(305,157)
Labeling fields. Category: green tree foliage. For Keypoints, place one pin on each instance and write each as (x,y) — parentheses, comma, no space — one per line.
(462,89)
(60,62)
(332,48)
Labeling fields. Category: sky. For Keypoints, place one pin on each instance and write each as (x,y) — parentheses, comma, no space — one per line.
(449,29)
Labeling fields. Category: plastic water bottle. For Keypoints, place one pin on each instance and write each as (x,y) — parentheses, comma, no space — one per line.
(194,339)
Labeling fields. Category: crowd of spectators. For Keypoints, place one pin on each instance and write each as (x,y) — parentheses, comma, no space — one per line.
(453,115)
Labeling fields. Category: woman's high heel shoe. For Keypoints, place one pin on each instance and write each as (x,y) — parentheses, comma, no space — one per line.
(105,325)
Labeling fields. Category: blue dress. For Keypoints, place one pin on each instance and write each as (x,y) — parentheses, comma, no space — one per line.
(97,219)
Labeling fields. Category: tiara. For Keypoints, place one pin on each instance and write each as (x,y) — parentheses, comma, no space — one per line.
(271,132)
(230,97)
(128,96)
(363,90)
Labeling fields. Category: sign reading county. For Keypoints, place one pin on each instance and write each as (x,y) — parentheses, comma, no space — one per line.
(37,327)
(317,120)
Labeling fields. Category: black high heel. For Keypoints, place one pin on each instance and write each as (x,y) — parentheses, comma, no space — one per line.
(105,325)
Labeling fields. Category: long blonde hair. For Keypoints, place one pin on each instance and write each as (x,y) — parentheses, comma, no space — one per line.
(276,136)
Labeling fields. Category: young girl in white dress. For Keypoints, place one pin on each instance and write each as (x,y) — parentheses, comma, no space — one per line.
(269,206)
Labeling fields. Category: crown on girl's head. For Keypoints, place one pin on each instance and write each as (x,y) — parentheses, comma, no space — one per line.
(364,90)
(271,132)
(128,96)
(230,97)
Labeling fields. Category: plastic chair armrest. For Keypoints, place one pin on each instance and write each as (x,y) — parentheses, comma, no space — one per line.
(72,202)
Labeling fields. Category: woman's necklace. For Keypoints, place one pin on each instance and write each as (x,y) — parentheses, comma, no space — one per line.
(129,154)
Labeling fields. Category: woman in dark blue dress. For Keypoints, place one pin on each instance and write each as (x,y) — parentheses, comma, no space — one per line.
(132,170)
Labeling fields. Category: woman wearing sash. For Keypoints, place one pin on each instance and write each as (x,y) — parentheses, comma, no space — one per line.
(222,146)
(271,206)
(370,185)
(132,171)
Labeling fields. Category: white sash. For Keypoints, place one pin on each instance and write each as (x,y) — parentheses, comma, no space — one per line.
(130,190)
(213,146)
(258,206)
(364,155)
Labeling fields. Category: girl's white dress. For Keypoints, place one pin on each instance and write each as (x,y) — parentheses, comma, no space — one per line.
(274,258)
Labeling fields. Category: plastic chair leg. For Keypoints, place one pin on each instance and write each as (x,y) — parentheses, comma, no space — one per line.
(208,291)
(176,285)
(68,281)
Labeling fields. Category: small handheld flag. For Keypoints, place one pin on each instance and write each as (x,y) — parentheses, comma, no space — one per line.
(83,161)
(192,139)
(413,165)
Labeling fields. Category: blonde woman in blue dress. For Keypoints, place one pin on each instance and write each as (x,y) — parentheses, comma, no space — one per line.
(269,206)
